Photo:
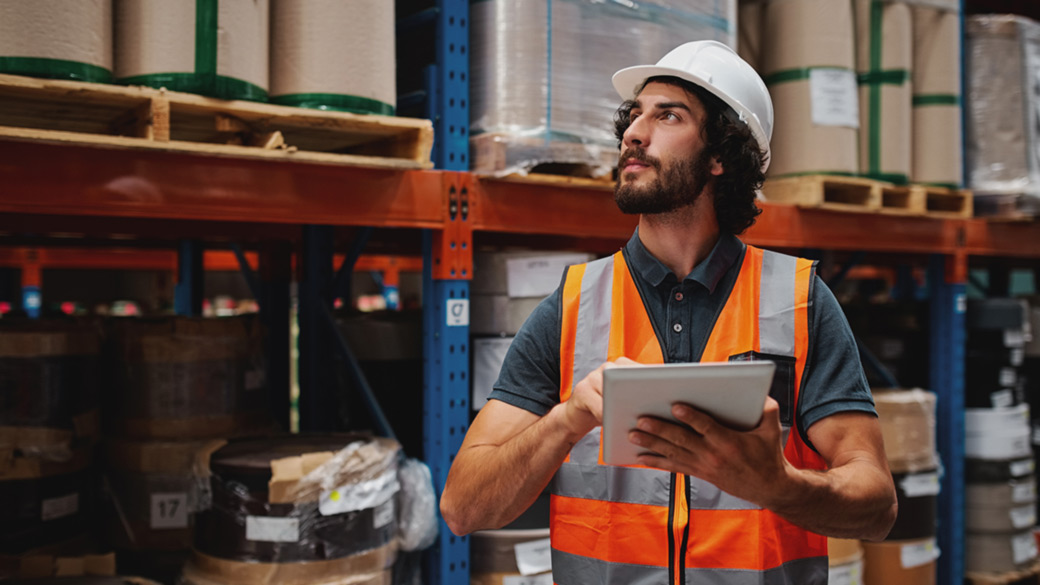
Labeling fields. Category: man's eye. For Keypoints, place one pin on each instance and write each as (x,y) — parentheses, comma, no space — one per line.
(670,116)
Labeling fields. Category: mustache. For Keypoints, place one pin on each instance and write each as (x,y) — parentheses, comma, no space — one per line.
(638,155)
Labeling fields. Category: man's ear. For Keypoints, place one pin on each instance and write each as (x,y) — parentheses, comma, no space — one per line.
(716,166)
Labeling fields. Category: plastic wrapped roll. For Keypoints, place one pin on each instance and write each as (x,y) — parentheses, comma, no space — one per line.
(48,388)
(44,502)
(217,48)
(937,155)
(186,378)
(57,39)
(334,55)
(808,62)
(907,419)
(917,494)
(884,60)
(999,553)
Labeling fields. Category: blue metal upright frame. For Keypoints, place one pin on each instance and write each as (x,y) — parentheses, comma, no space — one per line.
(948,304)
(188,292)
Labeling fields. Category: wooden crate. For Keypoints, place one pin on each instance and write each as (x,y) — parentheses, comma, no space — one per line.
(1030,576)
(502,154)
(140,117)
(826,192)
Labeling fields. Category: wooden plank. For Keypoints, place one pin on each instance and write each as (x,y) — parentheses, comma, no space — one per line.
(902,200)
(825,192)
(947,203)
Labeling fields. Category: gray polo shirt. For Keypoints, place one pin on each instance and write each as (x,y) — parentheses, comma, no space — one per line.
(683,314)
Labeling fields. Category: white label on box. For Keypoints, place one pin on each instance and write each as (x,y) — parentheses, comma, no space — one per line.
(1002,398)
(1014,338)
(920,485)
(269,529)
(169,510)
(255,380)
(488,355)
(1022,468)
(917,554)
(849,574)
(1023,492)
(55,508)
(1018,356)
(533,557)
(1023,517)
(835,97)
(383,514)
(1008,377)
(457,313)
(1023,548)
(543,579)
(538,276)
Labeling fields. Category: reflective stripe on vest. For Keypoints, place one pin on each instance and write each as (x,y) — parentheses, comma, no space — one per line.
(612,524)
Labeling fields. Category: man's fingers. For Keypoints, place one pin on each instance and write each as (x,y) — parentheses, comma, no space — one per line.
(697,420)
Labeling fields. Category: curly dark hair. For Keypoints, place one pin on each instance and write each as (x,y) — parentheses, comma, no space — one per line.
(728,140)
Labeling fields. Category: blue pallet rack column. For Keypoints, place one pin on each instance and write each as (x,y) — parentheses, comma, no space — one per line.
(188,292)
(275,300)
(447,85)
(946,281)
(447,267)
(319,406)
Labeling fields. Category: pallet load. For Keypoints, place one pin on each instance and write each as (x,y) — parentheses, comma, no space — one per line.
(300,510)
(909,553)
(504,557)
(1003,113)
(542,98)
(217,48)
(884,59)
(49,425)
(56,39)
(998,330)
(808,62)
(334,55)
(1030,374)
(936,79)
(844,562)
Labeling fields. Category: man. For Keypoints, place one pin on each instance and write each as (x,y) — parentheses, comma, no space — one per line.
(712,504)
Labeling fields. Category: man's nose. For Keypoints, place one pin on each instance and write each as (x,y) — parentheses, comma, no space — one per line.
(636,133)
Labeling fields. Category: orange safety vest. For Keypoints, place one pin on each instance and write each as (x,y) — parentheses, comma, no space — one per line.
(632,524)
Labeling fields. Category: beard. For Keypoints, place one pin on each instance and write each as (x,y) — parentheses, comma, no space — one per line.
(676,186)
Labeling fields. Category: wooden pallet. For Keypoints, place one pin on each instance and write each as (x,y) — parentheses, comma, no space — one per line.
(1030,576)
(1007,206)
(946,203)
(896,200)
(145,118)
(502,155)
(826,192)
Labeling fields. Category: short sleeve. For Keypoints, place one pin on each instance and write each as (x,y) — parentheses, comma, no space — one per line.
(530,376)
(833,381)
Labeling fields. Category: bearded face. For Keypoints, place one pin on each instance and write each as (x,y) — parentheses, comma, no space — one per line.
(672,186)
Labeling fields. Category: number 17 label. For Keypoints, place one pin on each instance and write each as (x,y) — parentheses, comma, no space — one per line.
(169,510)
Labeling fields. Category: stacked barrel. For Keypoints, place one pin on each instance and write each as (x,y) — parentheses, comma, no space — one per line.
(48,431)
(1001,487)
(177,385)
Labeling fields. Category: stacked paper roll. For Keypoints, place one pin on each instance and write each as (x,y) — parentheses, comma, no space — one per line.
(884,58)
(937,128)
(334,55)
(844,561)
(749,32)
(57,39)
(808,63)
(189,46)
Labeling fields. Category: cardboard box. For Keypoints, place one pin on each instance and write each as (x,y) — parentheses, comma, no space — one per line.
(908,562)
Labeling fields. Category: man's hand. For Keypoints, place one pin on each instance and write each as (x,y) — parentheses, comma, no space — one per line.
(747,464)
(583,411)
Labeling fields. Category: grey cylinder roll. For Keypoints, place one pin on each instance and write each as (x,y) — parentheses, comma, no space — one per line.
(884,59)
(808,64)
(937,152)
(218,48)
(334,55)
(57,39)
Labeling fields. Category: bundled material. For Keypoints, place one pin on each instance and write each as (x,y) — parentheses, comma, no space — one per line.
(48,389)
(39,565)
(489,353)
(299,510)
(844,562)
(998,434)
(808,62)
(998,330)
(1003,104)
(884,60)
(900,562)
(57,39)
(1000,553)
(937,130)
(501,557)
(334,55)
(186,378)
(907,419)
(217,48)
(541,70)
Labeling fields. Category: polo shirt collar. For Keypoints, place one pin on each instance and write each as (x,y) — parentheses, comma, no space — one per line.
(708,273)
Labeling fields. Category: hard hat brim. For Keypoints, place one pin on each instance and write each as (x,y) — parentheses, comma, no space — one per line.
(629,81)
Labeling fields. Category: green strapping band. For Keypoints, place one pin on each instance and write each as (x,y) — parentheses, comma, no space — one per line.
(206,37)
(887,77)
(952,186)
(894,178)
(336,102)
(218,86)
(799,74)
(937,99)
(55,69)
(874,134)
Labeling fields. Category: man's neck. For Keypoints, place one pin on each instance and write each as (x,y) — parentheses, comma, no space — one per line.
(681,239)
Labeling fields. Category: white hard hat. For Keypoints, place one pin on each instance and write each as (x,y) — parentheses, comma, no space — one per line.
(717,68)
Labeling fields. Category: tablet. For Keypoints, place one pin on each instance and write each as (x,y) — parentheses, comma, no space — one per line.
(732,392)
